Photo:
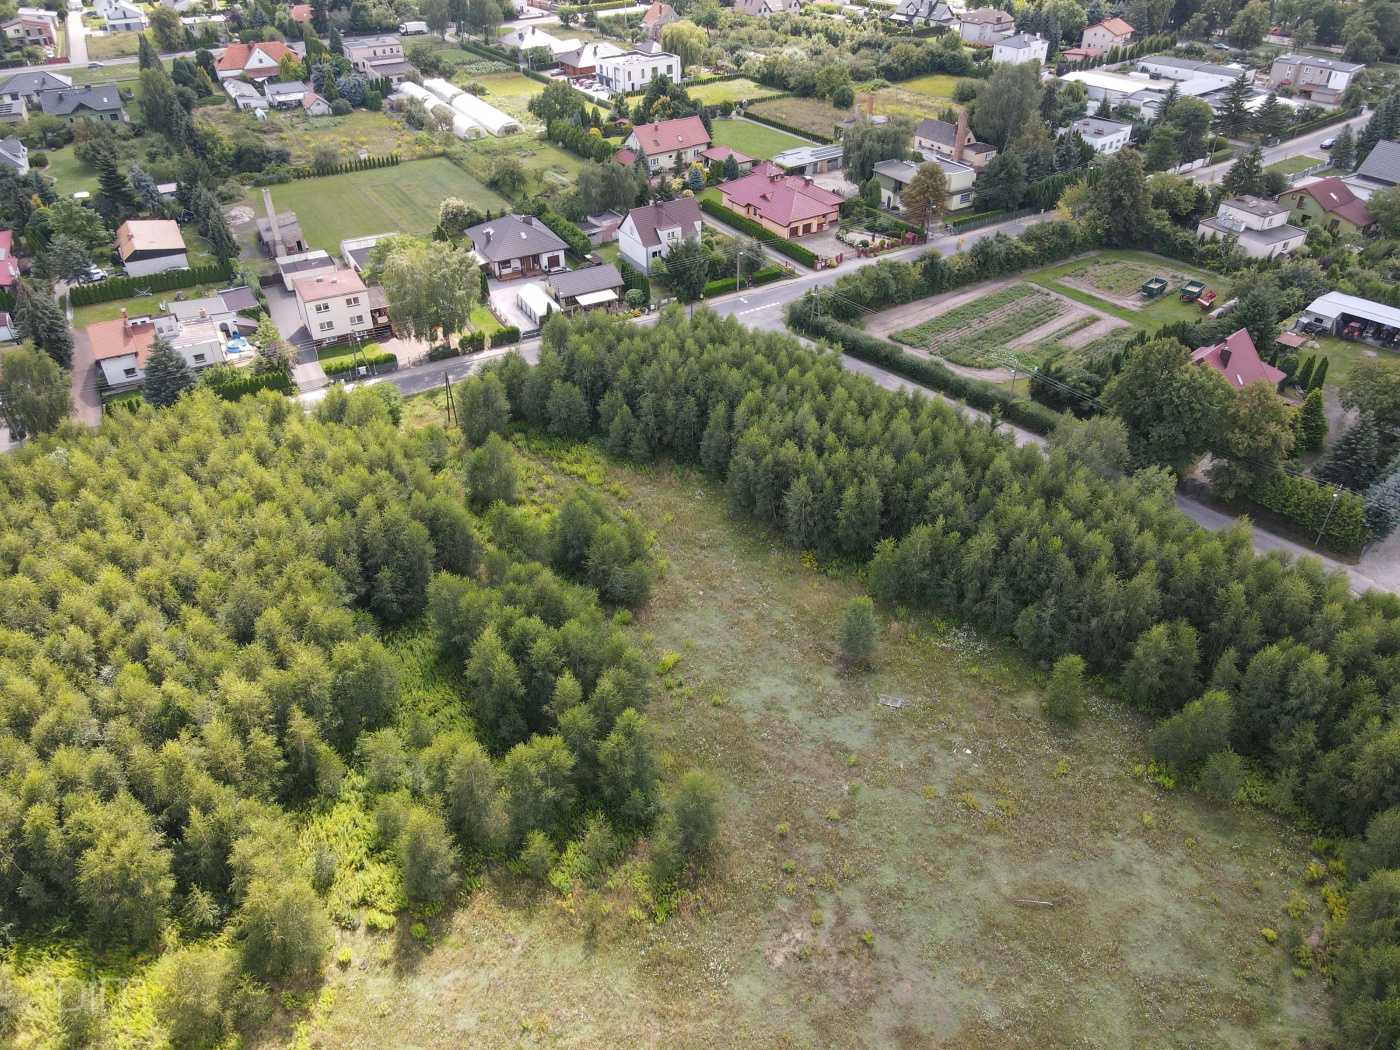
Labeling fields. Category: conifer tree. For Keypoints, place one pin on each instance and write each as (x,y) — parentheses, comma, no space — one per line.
(1310,424)
(1304,376)
(168,376)
(1344,150)
(337,45)
(859,634)
(1355,460)
(1383,504)
(1234,117)
(146,56)
(1319,375)
(43,323)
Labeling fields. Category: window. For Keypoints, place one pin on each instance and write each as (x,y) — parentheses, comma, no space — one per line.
(353,300)
(326,326)
(966,198)
(323,308)
(130,373)
(357,319)
(199,359)
(655,161)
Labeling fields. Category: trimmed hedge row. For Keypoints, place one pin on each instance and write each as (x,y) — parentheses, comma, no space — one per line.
(633,278)
(929,373)
(375,362)
(765,236)
(276,176)
(767,275)
(169,281)
(246,385)
(1308,504)
(443,352)
(721,286)
(506,336)
(825,140)
(570,234)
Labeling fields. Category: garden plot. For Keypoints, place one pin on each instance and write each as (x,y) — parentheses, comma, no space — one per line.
(969,334)
(1121,282)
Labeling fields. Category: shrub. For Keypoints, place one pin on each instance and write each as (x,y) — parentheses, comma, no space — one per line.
(506,336)
(1064,698)
(859,633)
(720,287)
(765,236)
(1222,776)
(376,363)
(341,108)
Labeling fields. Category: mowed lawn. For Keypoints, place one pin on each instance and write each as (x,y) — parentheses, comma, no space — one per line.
(403,198)
(753,139)
(738,90)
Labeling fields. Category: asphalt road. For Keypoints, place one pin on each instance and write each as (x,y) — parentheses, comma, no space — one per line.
(77,39)
(1310,143)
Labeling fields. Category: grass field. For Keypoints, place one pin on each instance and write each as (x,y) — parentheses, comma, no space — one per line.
(511,93)
(540,160)
(403,198)
(1291,165)
(1110,280)
(809,114)
(345,354)
(728,91)
(871,887)
(375,132)
(113,45)
(137,305)
(754,139)
(916,99)
(67,173)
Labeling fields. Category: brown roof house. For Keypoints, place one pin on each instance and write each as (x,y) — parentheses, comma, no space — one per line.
(1330,203)
(791,206)
(1238,361)
(955,142)
(662,143)
(658,16)
(651,231)
(517,246)
(1110,33)
(148,246)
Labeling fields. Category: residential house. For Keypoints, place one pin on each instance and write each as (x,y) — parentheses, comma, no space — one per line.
(334,306)
(98,102)
(14,153)
(582,61)
(651,231)
(9,265)
(924,13)
(299,12)
(285,96)
(121,347)
(809,160)
(1078,54)
(721,154)
(379,56)
(511,246)
(1236,358)
(286,234)
(33,27)
(313,263)
(148,246)
(120,16)
(1023,47)
(955,142)
(245,95)
(1319,79)
(767,8)
(1106,136)
(28,84)
(13,112)
(634,70)
(657,18)
(198,22)
(586,289)
(669,142)
(1259,226)
(1330,203)
(986,26)
(184,5)
(356,250)
(220,310)
(1106,35)
(894,175)
(315,105)
(788,205)
(9,331)
(255,61)
(602,228)
(1380,170)
(527,38)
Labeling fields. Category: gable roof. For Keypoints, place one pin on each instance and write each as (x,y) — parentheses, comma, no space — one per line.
(513,236)
(101,98)
(722,154)
(1116,26)
(237,56)
(659,14)
(781,199)
(121,337)
(300,12)
(149,235)
(670,135)
(581,282)
(939,131)
(987,14)
(588,54)
(1022,41)
(684,212)
(13,151)
(278,89)
(1382,164)
(32,81)
(1335,197)
(1238,361)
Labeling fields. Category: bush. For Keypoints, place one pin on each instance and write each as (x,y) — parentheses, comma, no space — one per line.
(443,352)
(859,633)
(719,287)
(571,235)
(126,287)
(1310,506)
(1064,698)
(375,362)
(767,275)
(341,108)
(241,387)
(1222,776)
(506,336)
(766,237)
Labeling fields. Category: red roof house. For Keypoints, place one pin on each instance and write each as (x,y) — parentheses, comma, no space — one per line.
(1236,359)
(1330,202)
(9,265)
(660,143)
(1110,33)
(720,154)
(789,205)
(258,61)
(300,12)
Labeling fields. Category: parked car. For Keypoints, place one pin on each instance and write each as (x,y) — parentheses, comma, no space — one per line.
(95,273)
(1328,143)
(94,65)
(1221,47)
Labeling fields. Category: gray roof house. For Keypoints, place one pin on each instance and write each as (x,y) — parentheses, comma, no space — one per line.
(512,246)
(924,13)
(101,102)
(1379,171)
(592,286)
(28,83)
(14,153)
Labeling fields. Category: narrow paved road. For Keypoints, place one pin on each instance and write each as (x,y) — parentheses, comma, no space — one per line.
(1310,144)
(77,39)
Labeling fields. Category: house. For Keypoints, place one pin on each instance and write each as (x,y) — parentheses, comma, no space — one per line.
(334,306)
(120,16)
(1380,170)
(788,205)
(148,246)
(809,160)
(955,142)
(1236,358)
(658,17)
(196,24)
(651,231)
(220,310)
(99,102)
(586,289)
(601,228)
(14,153)
(9,265)
(355,251)
(13,112)
(287,233)
(767,8)
(721,154)
(1023,47)
(1078,54)
(1106,136)
(986,26)
(293,268)
(1106,35)
(184,5)
(255,61)
(121,347)
(924,13)
(1330,203)
(315,105)
(9,331)
(245,95)
(1259,226)
(669,142)
(526,38)
(299,12)
(634,70)
(33,27)
(379,56)
(582,61)
(513,246)
(284,96)
(894,175)
(27,85)
(1319,79)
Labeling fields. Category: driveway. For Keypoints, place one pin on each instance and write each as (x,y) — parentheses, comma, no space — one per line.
(282,307)
(503,295)
(77,39)
(87,405)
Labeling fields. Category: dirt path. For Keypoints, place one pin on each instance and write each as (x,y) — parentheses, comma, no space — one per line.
(910,314)
(1100,328)
(1075,313)
(990,375)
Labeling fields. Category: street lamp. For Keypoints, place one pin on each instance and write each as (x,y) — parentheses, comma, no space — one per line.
(1335,496)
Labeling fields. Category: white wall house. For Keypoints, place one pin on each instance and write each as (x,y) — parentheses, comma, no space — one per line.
(986,26)
(635,70)
(651,231)
(1106,136)
(1259,226)
(334,307)
(120,16)
(1023,47)
(121,347)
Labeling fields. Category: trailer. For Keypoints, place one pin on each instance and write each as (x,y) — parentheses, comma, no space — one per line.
(1206,300)
(1154,287)
(1192,290)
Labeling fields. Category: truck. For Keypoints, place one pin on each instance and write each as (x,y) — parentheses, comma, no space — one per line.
(412,28)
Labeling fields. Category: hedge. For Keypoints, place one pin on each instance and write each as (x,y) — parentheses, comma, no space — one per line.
(570,234)
(246,385)
(719,287)
(1308,504)
(767,275)
(930,373)
(275,176)
(765,236)
(791,129)
(634,278)
(472,342)
(169,281)
(443,352)
(375,362)
(980,218)
(506,336)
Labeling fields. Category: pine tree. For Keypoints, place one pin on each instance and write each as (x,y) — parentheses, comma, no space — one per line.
(143,188)
(167,375)
(43,323)
(66,259)
(1355,460)
(337,45)
(1319,376)
(146,56)
(1234,117)
(113,184)
(1310,424)
(1304,375)
(1383,505)
(1064,697)
(320,17)
(731,168)
(859,634)
(1246,175)
(1344,150)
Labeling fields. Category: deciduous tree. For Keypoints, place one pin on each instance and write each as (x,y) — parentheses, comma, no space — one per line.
(431,287)
(1173,410)
(859,633)
(1121,198)
(926,196)
(35,394)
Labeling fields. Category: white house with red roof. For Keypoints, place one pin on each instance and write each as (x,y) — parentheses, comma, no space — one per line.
(333,306)
(1238,361)
(789,205)
(9,265)
(662,143)
(1110,33)
(121,347)
(256,61)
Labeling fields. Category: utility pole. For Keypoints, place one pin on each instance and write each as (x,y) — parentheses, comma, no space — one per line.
(451,408)
(1327,520)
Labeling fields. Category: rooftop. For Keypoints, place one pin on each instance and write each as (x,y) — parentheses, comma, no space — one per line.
(1293,58)
(237,56)
(1276,235)
(1334,304)
(118,338)
(683,213)
(1236,358)
(581,282)
(64,101)
(668,135)
(513,236)
(1092,126)
(1382,164)
(1259,206)
(328,286)
(1023,41)
(782,199)
(149,235)
(1335,197)
(1116,26)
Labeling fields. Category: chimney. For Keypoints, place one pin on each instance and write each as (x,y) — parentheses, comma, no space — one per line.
(1225,356)
(528,220)
(202,314)
(126,321)
(960,136)
(320,278)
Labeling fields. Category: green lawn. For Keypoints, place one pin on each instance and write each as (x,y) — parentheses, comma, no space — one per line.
(1165,309)
(1342,355)
(113,45)
(728,91)
(1292,165)
(936,85)
(809,114)
(67,173)
(403,198)
(483,320)
(754,139)
(139,304)
(344,353)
